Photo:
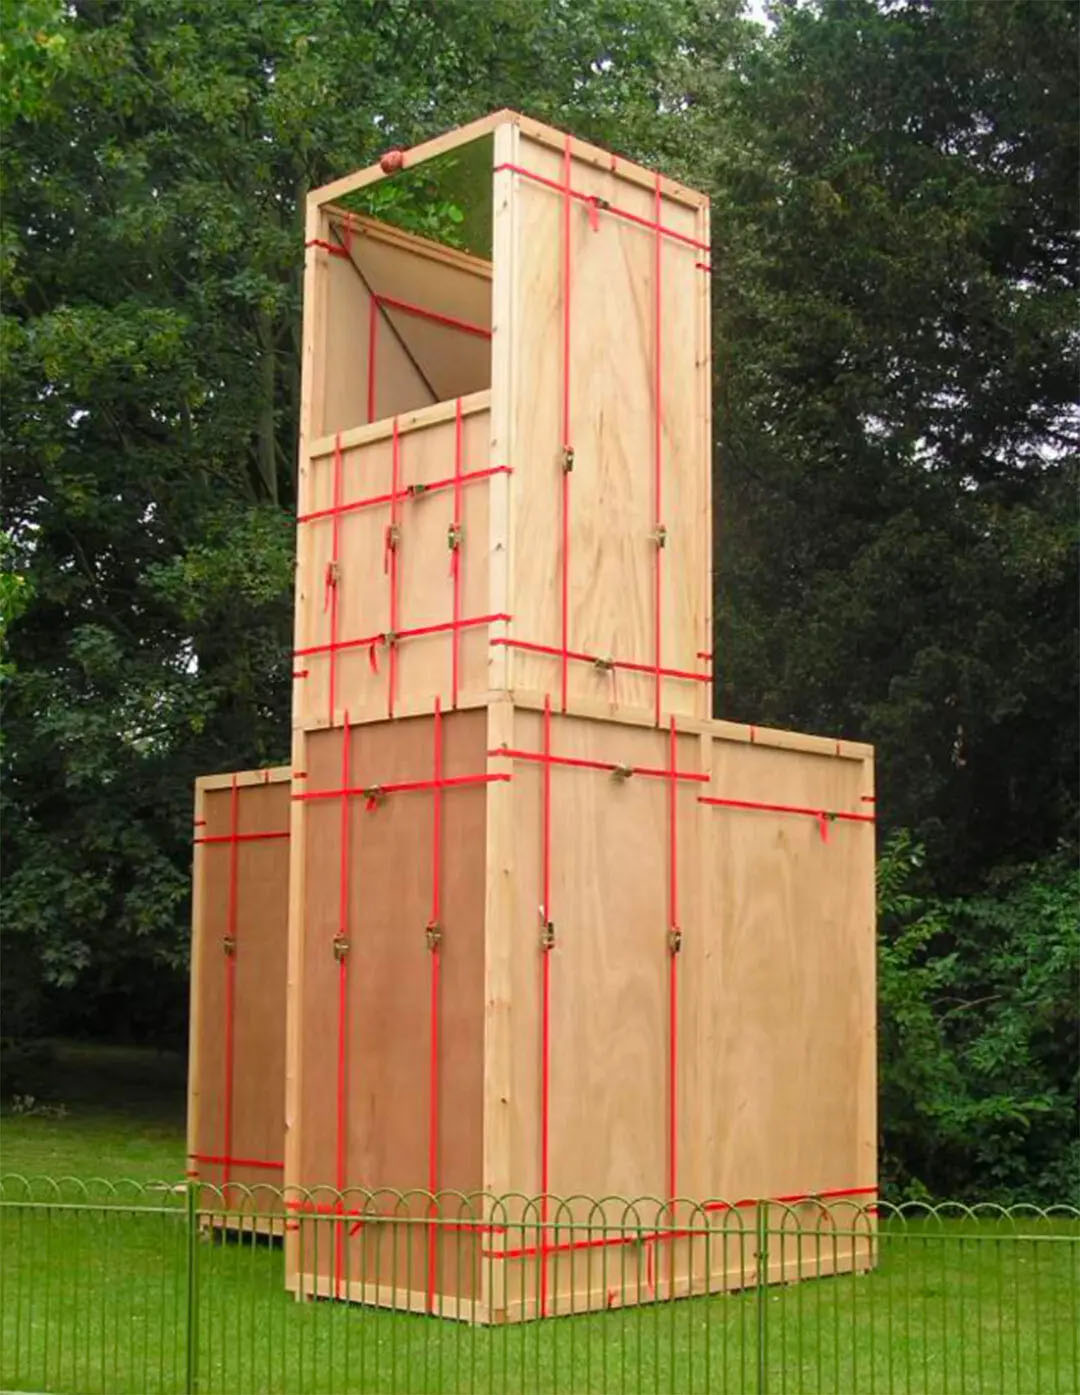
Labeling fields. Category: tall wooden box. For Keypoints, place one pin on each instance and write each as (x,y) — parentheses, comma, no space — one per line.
(239,931)
(536,953)
(504,474)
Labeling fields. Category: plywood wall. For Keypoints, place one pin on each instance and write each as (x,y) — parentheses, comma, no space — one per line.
(608,352)
(397,584)
(236,1101)
(598,307)
(361,1108)
(735,1060)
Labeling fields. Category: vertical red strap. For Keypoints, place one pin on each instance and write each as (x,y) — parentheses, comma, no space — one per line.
(674,934)
(230,984)
(658,430)
(372,337)
(434,928)
(545,1008)
(455,558)
(343,957)
(395,479)
(333,575)
(567,440)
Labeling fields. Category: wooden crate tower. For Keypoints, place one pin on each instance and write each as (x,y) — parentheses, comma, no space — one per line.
(553,931)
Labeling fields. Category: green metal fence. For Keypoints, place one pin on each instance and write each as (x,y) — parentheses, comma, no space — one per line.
(121,1286)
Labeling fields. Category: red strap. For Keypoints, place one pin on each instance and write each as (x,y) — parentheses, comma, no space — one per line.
(230,978)
(434,929)
(545,1006)
(436,316)
(333,573)
(409,491)
(580,763)
(455,558)
(594,659)
(674,938)
(614,209)
(823,816)
(364,641)
(243,837)
(567,440)
(343,959)
(395,477)
(212,1159)
(400,787)
(658,433)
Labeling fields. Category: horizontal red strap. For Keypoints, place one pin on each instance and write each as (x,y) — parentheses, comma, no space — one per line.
(451,321)
(410,491)
(338,1208)
(329,1208)
(794,1197)
(220,1161)
(610,766)
(366,641)
(648,1237)
(605,207)
(401,786)
(654,1237)
(557,653)
(785,809)
(242,837)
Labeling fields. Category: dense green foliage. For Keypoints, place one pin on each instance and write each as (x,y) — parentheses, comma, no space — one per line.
(894,212)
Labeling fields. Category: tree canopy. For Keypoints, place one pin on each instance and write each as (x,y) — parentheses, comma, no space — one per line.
(895,346)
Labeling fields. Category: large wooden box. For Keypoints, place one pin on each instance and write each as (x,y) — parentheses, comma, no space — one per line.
(504,473)
(538,953)
(239,931)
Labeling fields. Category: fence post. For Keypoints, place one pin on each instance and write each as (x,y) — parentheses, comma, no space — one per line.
(191,1355)
(762,1296)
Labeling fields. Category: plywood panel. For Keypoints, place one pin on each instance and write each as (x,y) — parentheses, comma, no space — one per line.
(614,509)
(593,311)
(791,983)
(419,667)
(236,1111)
(387,1084)
(772,1087)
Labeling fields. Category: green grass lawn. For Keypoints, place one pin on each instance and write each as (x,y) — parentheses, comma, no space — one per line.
(94,1298)
(99,1111)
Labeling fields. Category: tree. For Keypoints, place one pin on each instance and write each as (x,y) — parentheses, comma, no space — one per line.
(155,162)
(896,369)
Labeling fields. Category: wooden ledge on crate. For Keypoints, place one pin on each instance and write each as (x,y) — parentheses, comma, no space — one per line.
(741,732)
(271,775)
(538,131)
(415,420)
